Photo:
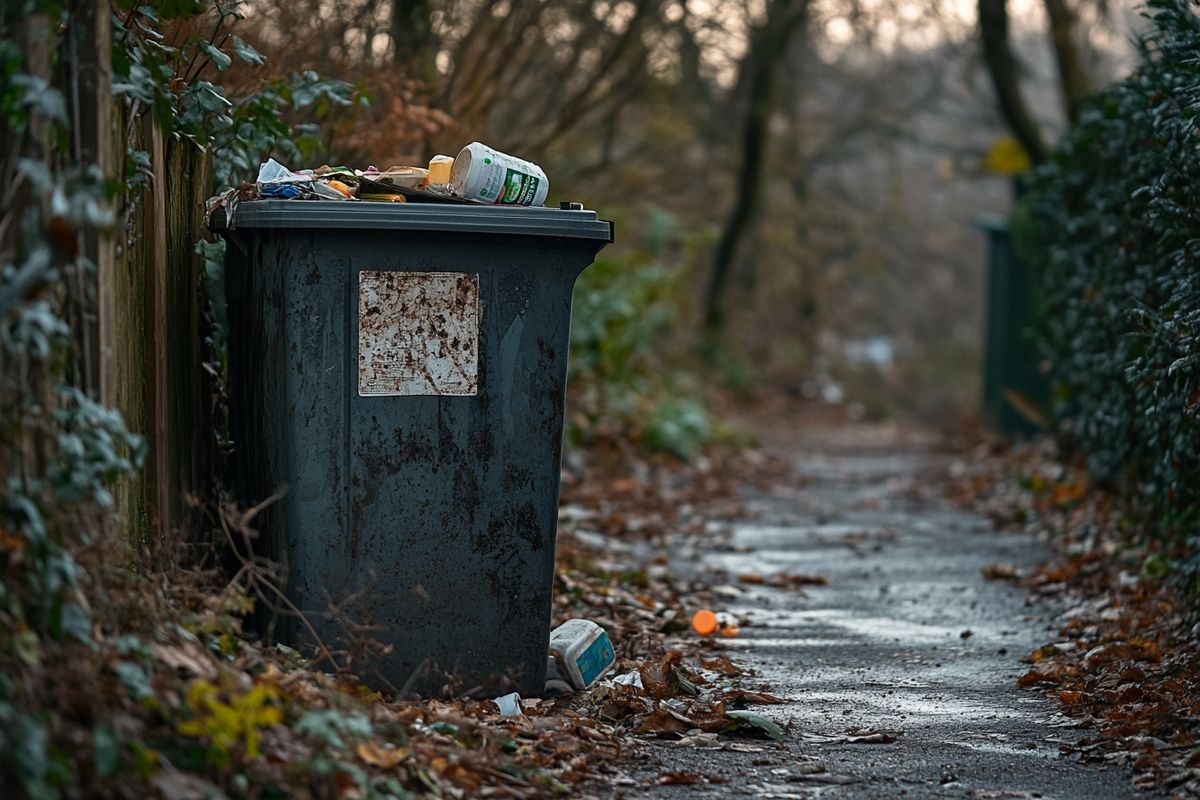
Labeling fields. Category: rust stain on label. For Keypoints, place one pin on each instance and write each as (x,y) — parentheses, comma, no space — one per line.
(418,333)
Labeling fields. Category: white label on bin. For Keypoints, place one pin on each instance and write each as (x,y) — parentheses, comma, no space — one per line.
(418,333)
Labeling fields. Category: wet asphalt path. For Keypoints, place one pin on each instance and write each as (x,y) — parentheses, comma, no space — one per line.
(907,640)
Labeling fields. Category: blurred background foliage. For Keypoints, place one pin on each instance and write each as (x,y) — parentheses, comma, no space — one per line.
(829,154)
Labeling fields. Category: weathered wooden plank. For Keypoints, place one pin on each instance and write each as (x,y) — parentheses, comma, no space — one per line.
(123,331)
(154,268)
(192,449)
(93,143)
(157,329)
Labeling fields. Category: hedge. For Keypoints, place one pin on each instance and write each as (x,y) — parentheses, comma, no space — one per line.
(1113,222)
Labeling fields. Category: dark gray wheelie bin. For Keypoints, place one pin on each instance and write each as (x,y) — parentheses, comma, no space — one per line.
(398,371)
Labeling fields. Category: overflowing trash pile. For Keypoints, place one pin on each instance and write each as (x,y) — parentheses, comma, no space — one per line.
(478,175)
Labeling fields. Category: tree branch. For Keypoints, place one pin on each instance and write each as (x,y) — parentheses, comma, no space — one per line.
(1074,82)
(763,60)
(1002,67)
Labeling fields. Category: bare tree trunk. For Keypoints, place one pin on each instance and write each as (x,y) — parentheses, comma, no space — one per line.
(1003,69)
(412,38)
(1073,79)
(763,60)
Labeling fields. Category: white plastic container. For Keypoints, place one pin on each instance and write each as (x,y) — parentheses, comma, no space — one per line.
(582,652)
(489,176)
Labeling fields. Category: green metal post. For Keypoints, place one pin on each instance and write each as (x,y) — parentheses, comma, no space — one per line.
(1010,364)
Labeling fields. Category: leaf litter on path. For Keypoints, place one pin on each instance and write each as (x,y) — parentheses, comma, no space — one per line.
(1125,663)
(234,717)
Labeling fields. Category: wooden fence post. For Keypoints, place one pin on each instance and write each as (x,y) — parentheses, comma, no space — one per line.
(152,330)
(154,261)
(192,452)
(92,105)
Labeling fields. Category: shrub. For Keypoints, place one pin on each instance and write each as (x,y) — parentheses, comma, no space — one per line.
(623,386)
(1114,221)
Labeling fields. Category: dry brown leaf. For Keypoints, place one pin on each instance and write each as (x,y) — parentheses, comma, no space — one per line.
(190,660)
(722,665)
(1042,673)
(743,696)
(656,678)
(804,580)
(679,778)
(1002,572)
(380,754)
(461,776)
(663,723)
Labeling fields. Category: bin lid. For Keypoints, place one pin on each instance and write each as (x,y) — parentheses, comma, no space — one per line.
(451,218)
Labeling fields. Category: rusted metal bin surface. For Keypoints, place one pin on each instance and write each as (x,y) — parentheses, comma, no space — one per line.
(400,369)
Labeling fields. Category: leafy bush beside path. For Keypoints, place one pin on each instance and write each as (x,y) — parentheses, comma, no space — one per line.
(1113,220)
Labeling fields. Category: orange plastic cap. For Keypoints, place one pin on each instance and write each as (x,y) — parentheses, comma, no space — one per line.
(704,622)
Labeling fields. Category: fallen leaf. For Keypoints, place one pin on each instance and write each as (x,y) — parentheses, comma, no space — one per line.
(175,785)
(710,720)
(701,741)
(1042,673)
(190,660)
(380,755)
(722,665)
(871,738)
(681,779)
(658,679)
(784,580)
(663,723)
(804,580)
(1002,572)
(761,698)
(750,720)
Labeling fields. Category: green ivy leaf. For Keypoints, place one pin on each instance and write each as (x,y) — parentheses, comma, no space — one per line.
(28,648)
(105,751)
(40,98)
(758,722)
(220,59)
(245,52)
(134,679)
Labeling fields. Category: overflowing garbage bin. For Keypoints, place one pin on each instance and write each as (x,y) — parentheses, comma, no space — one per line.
(396,376)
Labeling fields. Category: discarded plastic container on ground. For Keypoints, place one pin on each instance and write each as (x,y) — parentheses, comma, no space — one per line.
(400,370)
(489,176)
(632,678)
(704,622)
(582,652)
(509,705)
(707,623)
